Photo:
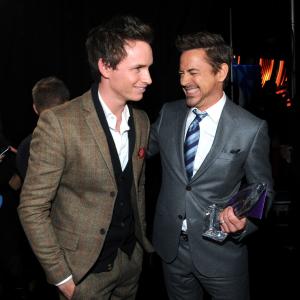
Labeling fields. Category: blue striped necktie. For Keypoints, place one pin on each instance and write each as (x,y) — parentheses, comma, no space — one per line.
(191,142)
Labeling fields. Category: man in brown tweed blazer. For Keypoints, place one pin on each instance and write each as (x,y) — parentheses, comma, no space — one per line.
(82,203)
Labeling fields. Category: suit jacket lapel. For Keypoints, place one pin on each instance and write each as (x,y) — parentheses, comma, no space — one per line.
(137,124)
(97,131)
(224,131)
(131,133)
(180,128)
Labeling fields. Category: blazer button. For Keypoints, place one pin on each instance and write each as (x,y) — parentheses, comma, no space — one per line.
(102,231)
(188,188)
(180,217)
(112,194)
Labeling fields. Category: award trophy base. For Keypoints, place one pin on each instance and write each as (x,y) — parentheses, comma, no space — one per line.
(213,224)
(248,202)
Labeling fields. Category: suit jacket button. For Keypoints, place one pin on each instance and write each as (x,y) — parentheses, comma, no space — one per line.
(102,231)
(109,267)
(112,194)
(188,188)
(180,217)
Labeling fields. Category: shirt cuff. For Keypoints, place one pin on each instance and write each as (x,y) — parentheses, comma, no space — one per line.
(65,280)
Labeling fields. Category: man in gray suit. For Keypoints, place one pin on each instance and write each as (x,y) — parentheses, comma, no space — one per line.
(233,148)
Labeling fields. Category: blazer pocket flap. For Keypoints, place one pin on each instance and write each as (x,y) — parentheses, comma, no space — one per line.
(229,155)
(66,239)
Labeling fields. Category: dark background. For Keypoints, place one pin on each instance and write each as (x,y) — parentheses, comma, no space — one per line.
(43,38)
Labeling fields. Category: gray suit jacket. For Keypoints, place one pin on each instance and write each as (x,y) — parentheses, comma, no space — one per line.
(69,192)
(240,150)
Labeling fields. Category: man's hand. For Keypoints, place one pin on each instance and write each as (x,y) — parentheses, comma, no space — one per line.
(67,288)
(230,223)
(15,182)
(12,149)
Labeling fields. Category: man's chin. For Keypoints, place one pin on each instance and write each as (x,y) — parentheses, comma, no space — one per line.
(190,102)
(137,98)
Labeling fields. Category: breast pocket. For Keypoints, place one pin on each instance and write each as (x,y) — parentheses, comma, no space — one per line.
(233,155)
(228,165)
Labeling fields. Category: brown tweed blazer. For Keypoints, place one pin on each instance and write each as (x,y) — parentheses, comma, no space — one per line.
(69,191)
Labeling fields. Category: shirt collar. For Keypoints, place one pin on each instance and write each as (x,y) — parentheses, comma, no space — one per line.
(214,111)
(112,119)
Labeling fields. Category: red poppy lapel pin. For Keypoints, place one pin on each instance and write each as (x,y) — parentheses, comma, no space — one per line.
(141,153)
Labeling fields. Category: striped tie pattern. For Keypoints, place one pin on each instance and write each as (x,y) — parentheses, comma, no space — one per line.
(191,142)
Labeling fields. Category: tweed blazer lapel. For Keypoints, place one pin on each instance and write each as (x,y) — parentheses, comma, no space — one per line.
(224,130)
(97,131)
(141,134)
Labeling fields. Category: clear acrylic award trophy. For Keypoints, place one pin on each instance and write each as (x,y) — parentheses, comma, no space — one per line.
(247,202)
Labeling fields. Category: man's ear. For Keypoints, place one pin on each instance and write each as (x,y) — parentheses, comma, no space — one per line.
(104,69)
(222,73)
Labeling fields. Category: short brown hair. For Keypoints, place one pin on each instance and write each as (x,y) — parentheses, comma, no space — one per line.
(49,92)
(217,51)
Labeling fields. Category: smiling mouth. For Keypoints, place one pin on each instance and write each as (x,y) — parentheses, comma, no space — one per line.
(141,89)
(191,91)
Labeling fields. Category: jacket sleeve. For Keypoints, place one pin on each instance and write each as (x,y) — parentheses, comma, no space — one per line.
(153,145)
(45,168)
(258,169)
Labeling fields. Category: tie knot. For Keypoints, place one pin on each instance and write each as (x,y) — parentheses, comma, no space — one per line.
(199,115)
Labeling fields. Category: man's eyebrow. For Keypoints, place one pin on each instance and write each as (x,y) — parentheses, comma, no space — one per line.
(189,70)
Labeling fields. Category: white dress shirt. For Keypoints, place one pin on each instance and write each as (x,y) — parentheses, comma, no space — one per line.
(120,138)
